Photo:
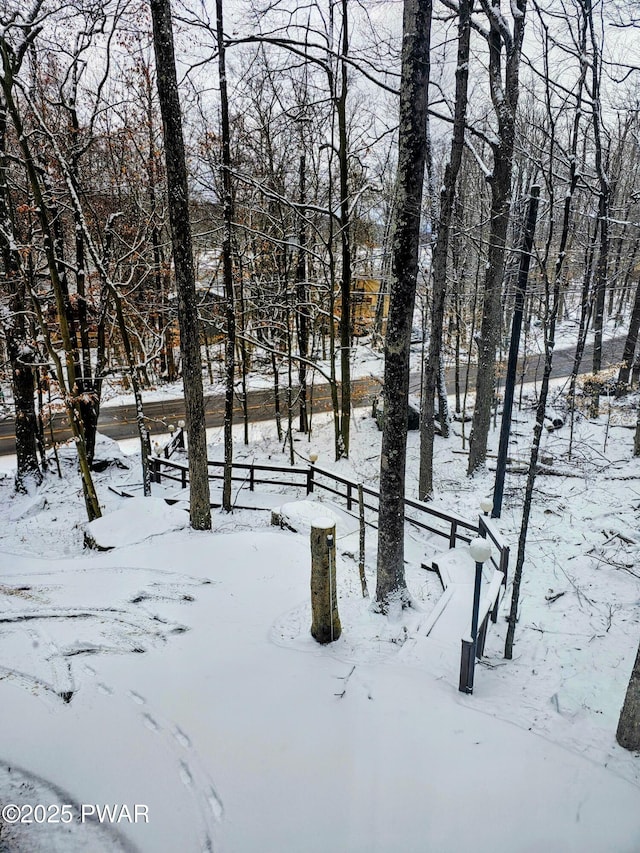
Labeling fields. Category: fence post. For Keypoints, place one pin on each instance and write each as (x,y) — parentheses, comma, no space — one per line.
(325,627)
(183,478)
(363,578)
(504,563)
(453,534)
(482,638)
(465,666)
(482,527)
(348,495)
(310,481)
(495,608)
(251,478)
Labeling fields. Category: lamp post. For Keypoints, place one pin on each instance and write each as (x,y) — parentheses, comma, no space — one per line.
(480,551)
(313,458)
(510,381)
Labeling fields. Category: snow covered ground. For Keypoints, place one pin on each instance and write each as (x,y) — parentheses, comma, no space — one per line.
(175,672)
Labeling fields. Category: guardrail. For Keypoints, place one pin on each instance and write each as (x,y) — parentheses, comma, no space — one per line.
(453,528)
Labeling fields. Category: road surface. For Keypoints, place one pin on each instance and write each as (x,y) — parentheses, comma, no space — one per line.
(119,422)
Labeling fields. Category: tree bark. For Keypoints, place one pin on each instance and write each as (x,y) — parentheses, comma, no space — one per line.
(68,383)
(391,587)
(631,340)
(434,367)
(628,733)
(345,244)
(21,352)
(604,194)
(200,509)
(302,299)
(227,265)
(504,94)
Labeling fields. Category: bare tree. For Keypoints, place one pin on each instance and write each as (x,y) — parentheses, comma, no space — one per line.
(227,265)
(200,509)
(20,349)
(391,588)
(552,291)
(442,227)
(11,57)
(505,49)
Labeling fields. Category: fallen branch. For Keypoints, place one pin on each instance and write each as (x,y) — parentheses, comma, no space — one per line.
(540,469)
(551,598)
(345,680)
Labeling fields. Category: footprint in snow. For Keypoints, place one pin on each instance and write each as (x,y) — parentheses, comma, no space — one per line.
(181,737)
(185,774)
(137,698)
(150,723)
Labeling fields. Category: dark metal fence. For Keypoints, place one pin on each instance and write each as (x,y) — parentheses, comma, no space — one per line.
(452,528)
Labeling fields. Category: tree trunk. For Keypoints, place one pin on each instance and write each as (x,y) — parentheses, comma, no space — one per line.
(628,733)
(20,351)
(631,340)
(68,383)
(604,194)
(227,267)
(200,509)
(345,243)
(514,345)
(552,305)
(504,94)
(302,297)
(391,587)
(490,324)
(276,396)
(434,370)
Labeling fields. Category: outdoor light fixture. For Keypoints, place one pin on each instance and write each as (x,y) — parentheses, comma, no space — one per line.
(171,429)
(480,551)
(486,505)
(181,424)
(313,458)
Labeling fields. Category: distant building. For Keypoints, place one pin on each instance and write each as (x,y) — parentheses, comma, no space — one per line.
(364,299)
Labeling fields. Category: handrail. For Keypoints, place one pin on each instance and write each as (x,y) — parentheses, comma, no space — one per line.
(460,530)
(176,441)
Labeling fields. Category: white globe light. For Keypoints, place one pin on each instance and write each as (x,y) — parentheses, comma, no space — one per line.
(313,458)
(480,550)
(486,505)
(181,424)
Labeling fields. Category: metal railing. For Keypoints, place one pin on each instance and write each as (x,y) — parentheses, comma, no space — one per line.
(452,528)
(176,442)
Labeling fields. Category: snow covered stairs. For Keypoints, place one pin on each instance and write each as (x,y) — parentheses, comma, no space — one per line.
(450,619)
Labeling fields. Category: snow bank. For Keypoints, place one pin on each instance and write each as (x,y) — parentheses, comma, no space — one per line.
(135,522)
(301,516)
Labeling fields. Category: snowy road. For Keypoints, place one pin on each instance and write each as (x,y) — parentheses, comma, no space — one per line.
(119,422)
